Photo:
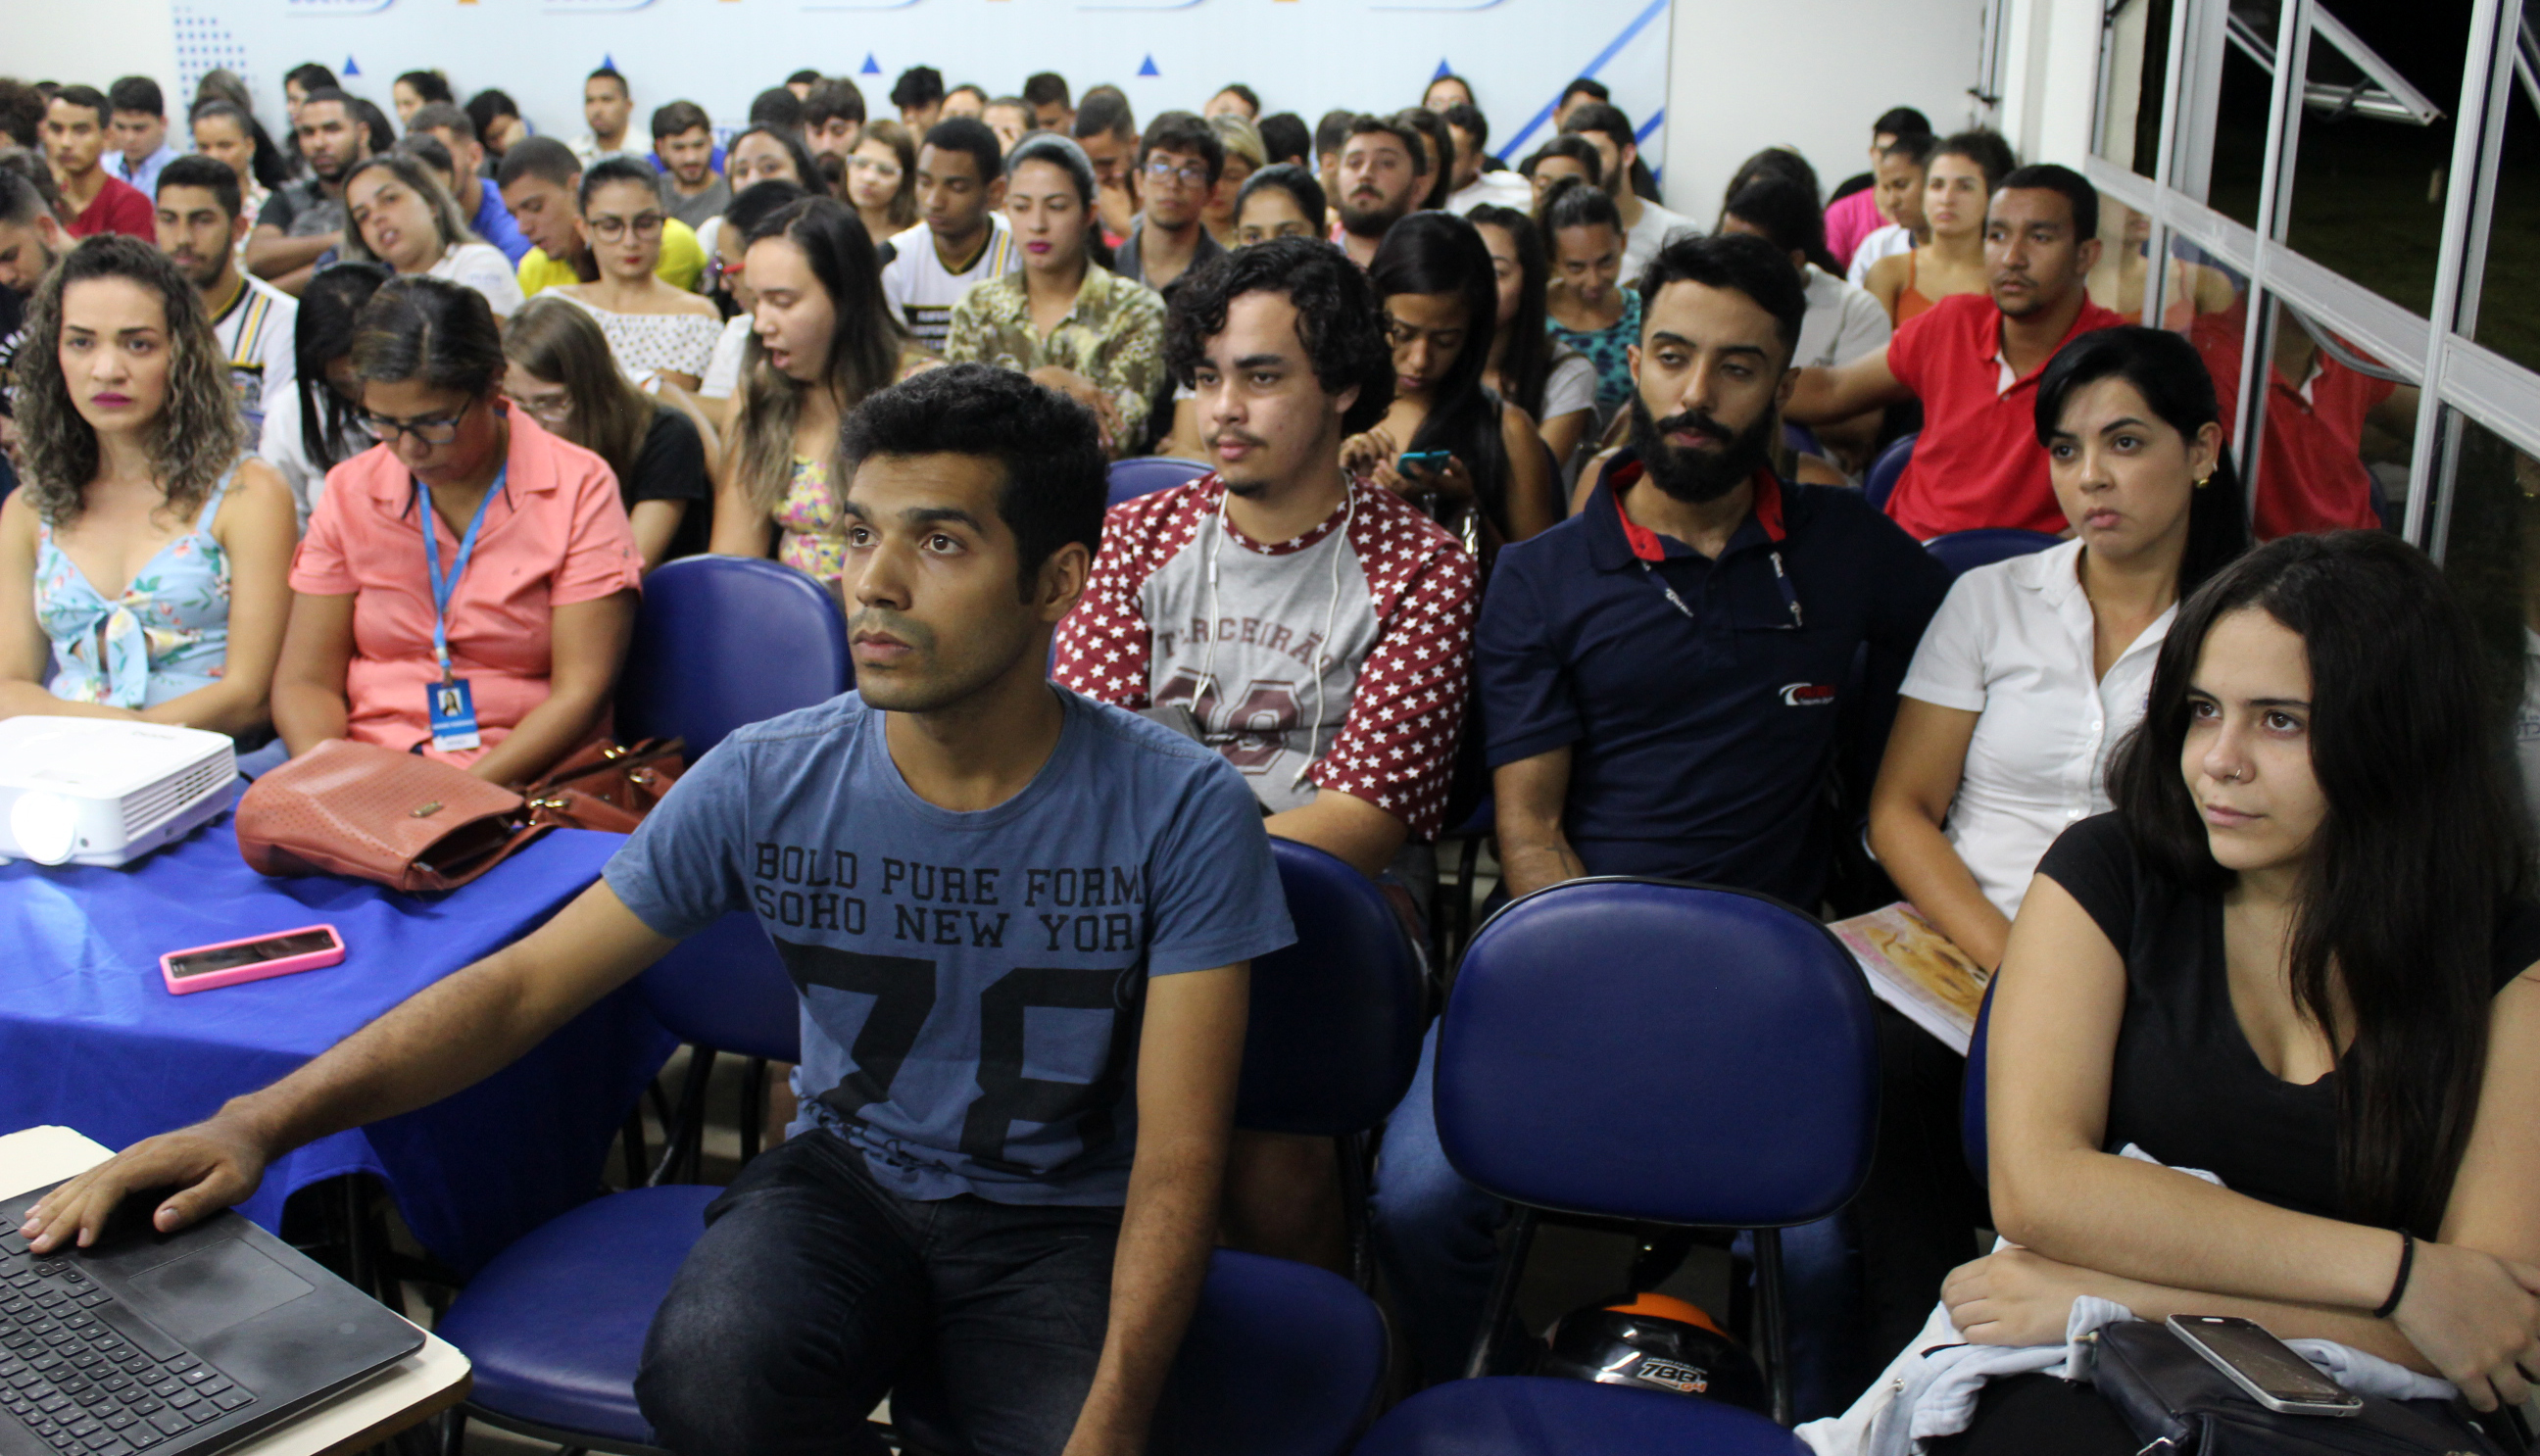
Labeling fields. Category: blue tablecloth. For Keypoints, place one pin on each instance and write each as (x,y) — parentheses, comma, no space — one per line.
(91,1038)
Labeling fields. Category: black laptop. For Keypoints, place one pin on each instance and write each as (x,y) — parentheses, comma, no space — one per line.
(176,1343)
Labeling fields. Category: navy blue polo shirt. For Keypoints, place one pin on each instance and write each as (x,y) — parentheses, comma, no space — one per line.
(1701,700)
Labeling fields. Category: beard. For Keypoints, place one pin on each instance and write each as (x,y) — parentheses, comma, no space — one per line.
(1698,476)
(1371,221)
(832,168)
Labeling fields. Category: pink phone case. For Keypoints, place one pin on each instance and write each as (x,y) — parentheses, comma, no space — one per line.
(254,971)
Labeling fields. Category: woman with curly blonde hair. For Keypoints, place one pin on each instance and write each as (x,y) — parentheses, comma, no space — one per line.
(140,553)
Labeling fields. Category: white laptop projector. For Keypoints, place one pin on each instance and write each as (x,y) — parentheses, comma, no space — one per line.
(99,791)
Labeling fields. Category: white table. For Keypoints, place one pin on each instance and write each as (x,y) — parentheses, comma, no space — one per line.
(408,1393)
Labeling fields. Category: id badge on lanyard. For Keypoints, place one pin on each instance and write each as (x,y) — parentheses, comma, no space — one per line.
(449,704)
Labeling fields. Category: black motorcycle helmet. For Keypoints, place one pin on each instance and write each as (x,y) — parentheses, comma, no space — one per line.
(1659,1342)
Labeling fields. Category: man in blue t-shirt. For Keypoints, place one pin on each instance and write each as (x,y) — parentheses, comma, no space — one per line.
(1021,925)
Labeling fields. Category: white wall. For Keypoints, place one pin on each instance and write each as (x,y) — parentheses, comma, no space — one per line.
(93,41)
(1807,74)
(2050,67)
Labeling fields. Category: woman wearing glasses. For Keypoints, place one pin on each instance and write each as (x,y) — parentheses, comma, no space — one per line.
(518,603)
(882,178)
(659,333)
(562,377)
(402,217)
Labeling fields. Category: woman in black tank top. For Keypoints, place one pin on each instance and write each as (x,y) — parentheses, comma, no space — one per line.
(2297,957)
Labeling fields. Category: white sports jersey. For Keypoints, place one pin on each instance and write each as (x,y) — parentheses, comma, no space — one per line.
(256,337)
(923,291)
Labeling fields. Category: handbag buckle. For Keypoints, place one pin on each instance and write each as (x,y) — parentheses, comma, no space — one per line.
(425,813)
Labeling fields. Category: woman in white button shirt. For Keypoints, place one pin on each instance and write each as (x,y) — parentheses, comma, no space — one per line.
(2035,668)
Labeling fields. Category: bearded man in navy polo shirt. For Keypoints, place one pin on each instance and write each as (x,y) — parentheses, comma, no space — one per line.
(1665,678)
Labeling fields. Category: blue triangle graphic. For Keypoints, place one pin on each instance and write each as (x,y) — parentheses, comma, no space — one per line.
(871,66)
(609,62)
(1146,67)
(1442,69)
(349,68)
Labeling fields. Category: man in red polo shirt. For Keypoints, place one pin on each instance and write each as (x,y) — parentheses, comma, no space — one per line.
(75,134)
(1973,360)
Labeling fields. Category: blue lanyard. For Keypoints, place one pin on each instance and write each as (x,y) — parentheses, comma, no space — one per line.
(442,587)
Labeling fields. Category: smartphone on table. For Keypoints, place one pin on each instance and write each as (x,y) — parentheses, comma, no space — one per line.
(254,958)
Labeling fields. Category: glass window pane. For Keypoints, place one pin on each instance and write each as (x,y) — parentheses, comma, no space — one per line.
(2382,86)
(2136,65)
(2506,316)
(2337,440)
(2492,554)
(2241,117)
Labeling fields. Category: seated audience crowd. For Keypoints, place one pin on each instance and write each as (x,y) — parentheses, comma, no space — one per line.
(1511,502)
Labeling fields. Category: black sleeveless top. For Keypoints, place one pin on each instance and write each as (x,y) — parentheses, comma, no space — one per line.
(2187,1086)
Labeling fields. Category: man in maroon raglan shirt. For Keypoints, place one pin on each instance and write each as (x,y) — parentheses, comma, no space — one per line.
(75,137)
(1973,360)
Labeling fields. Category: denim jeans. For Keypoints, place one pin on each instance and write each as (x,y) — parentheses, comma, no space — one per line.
(1438,1238)
(813,1289)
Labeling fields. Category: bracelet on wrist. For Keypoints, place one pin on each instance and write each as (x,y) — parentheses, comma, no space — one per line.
(2399,1285)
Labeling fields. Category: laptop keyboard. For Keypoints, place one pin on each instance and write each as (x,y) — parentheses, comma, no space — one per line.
(85,1376)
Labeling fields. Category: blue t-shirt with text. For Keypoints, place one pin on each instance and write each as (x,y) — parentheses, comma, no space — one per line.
(971,983)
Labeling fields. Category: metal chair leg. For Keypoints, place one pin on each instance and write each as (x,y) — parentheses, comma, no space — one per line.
(1353,1153)
(1768,1300)
(1503,1294)
(633,1135)
(754,1107)
(453,1431)
(687,1128)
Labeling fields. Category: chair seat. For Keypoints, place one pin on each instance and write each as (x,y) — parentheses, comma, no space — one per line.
(1519,1414)
(1281,1359)
(555,1325)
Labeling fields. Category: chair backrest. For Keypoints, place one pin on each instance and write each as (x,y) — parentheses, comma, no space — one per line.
(1962,551)
(1971,1094)
(1881,482)
(1144,475)
(1336,1018)
(1673,1053)
(724,988)
(726,640)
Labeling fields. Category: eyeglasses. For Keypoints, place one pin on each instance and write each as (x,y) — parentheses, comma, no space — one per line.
(548,407)
(1191,173)
(874,166)
(432,430)
(610,229)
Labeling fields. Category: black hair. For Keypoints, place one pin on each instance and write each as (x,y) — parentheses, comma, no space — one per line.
(918,86)
(2417,858)
(429,150)
(806,166)
(970,136)
(615,170)
(833,100)
(1442,146)
(1288,177)
(1333,132)
(270,168)
(1285,138)
(1576,147)
(675,117)
(1774,162)
(841,254)
(315,77)
(1184,131)
(1583,86)
(377,128)
(330,309)
(1397,126)
(778,107)
(2048,177)
(1251,99)
(1438,252)
(87,97)
(804,77)
(1901,121)
(21,113)
(1574,203)
(137,93)
(973,87)
(1468,119)
(1445,76)
(485,106)
(540,157)
(1105,112)
(195,169)
(2171,376)
(1046,445)
(1916,147)
(611,73)
(1985,149)
(759,201)
(442,116)
(21,200)
(431,86)
(1526,366)
(1606,119)
(1065,155)
(1735,260)
(433,330)
(1787,215)
(1338,319)
(1043,88)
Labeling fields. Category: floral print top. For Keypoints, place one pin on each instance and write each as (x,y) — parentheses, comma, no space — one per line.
(1113,335)
(807,516)
(1604,349)
(166,636)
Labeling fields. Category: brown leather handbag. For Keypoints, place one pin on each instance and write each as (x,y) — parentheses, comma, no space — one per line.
(397,819)
(607,785)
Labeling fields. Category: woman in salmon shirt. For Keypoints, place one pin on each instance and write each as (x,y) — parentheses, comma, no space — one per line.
(538,564)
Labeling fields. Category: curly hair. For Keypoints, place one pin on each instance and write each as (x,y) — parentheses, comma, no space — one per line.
(1338,317)
(196,436)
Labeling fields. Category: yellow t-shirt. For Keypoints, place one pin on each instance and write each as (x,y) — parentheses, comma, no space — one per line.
(683,262)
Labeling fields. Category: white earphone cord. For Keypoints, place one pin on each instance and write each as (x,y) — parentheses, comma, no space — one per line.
(1323,647)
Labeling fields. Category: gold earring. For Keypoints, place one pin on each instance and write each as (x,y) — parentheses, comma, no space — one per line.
(2203,481)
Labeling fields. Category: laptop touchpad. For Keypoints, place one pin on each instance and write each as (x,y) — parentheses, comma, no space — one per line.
(205,1292)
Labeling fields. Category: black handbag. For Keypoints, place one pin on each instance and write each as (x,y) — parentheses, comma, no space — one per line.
(2178,1403)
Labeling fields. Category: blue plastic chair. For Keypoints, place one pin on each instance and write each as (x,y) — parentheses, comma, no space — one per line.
(1658,1052)
(1144,475)
(725,641)
(1962,551)
(1881,482)
(1972,1093)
